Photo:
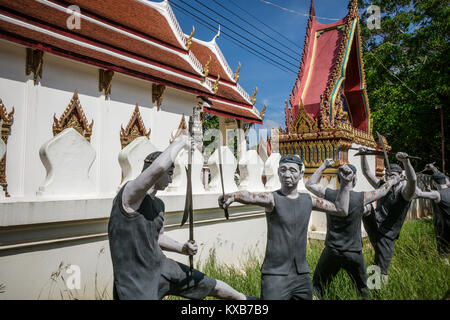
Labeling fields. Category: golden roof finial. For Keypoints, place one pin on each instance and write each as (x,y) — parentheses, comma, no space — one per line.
(216,85)
(206,69)
(189,40)
(254,96)
(263,111)
(218,34)
(236,74)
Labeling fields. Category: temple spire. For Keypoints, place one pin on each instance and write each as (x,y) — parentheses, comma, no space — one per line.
(353,9)
(312,11)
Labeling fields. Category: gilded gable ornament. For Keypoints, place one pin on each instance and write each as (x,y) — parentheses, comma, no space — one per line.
(263,112)
(181,130)
(7,121)
(303,123)
(34,63)
(236,74)
(135,128)
(157,94)
(206,69)
(73,117)
(189,40)
(216,85)
(253,99)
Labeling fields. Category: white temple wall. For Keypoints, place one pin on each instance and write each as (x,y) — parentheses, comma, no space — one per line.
(35,106)
(39,232)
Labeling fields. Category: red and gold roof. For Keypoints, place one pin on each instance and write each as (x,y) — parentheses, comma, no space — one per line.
(139,38)
(329,97)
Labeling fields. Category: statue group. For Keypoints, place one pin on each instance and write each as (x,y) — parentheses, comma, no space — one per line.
(137,238)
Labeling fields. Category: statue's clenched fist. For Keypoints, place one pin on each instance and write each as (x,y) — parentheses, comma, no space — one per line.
(190,248)
(401,156)
(328,163)
(226,200)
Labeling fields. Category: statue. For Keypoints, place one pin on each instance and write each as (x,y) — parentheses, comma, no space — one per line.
(442,211)
(343,243)
(384,226)
(285,271)
(137,238)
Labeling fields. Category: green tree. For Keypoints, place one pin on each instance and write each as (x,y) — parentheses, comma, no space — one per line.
(406,64)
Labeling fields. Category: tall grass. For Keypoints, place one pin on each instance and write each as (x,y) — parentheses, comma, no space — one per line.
(416,271)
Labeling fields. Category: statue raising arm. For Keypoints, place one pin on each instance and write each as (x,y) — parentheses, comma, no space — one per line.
(346,176)
(135,190)
(379,193)
(431,195)
(430,166)
(408,190)
(313,185)
(374,182)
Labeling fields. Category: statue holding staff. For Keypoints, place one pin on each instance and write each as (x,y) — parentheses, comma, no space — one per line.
(285,271)
(137,238)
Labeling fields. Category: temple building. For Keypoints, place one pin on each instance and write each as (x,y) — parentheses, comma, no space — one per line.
(328,110)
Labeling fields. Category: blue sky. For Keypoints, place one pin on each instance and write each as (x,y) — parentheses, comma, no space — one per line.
(274,85)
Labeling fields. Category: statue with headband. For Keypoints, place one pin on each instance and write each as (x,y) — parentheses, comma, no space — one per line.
(384,226)
(343,242)
(285,271)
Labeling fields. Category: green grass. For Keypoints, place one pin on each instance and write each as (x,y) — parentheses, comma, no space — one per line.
(416,271)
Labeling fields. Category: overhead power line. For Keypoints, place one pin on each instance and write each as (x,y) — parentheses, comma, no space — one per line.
(295,12)
(236,41)
(254,27)
(296,59)
(239,35)
(264,24)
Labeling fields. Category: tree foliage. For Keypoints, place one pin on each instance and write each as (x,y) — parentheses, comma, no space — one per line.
(406,64)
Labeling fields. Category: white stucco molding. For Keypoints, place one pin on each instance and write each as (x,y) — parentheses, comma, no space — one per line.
(179,181)
(68,158)
(251,168)
(229,168)
(131,158)
(271,172)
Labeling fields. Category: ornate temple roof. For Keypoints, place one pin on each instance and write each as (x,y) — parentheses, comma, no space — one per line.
(135,37)
(330,90)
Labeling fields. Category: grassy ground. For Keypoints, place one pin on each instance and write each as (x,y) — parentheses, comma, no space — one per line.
(416,271)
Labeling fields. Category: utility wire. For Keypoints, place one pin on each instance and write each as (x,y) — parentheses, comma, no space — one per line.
(251,34)
(239,43)
(295,12)
(264,24)
(392,74)
(253,26)
(264,49)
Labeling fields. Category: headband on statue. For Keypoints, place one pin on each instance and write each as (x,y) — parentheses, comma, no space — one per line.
(292,158)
